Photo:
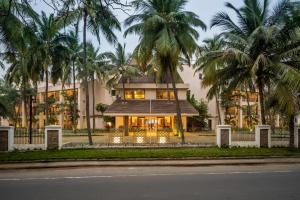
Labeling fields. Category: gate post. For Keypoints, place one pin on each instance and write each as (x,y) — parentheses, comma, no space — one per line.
(297,137)
(223,135)
(53,137)
(263,136)
(6,138)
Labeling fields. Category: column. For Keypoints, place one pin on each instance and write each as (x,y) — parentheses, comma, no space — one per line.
(126,129)
(241,113)
(53,137)
(6,138)
(263,136)
(223,135)
(24,117)
(297,136)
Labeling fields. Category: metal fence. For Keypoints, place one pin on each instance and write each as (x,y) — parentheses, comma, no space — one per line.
(242,135)
(25,136)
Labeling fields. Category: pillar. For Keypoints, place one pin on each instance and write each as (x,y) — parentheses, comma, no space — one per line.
(223,135)
(24,117)
(263,136)
(297,137)
(6,138)
(126,129)
(53,137)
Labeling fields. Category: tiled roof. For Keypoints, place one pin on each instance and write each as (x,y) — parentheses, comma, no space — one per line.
(148,79)
(146,107)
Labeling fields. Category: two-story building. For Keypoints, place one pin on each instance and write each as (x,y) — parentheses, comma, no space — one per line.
(144,104)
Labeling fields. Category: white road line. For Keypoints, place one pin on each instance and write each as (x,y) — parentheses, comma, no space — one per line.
(144,175)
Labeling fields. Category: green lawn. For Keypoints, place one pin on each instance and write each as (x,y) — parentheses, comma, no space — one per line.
(144,153)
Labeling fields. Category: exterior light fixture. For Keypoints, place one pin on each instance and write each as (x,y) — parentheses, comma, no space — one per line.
(162,140)
(116,140)
(140,140)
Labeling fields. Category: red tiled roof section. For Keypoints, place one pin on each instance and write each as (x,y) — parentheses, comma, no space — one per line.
(143,107)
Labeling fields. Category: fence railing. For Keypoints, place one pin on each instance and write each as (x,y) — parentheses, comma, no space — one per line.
(24,136)
(243,135)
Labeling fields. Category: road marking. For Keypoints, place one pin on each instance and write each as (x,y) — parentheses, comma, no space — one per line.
(143,175)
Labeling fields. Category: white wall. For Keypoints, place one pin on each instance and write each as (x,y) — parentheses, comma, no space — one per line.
(102,95)
(195,86)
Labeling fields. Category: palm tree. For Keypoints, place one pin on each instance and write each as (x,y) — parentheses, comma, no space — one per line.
(22,61)
(121,67)
(97,17)
(285,102)
(209,70)
(260,45)
(166,32)
(97,65)
(51,47)
(74,50)
(14,16)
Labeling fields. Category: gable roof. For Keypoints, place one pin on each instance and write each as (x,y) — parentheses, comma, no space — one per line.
(149,107)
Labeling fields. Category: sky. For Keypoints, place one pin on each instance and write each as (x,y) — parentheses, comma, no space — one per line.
(205,9)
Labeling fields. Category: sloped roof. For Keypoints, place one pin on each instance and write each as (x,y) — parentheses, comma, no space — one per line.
(148,79)
(147,107)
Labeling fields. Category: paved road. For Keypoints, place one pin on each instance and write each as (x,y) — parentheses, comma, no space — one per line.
(186,183)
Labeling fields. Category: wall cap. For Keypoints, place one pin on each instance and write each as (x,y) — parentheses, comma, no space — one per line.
(263,126)
(224,126)
(53,127)
(6,127)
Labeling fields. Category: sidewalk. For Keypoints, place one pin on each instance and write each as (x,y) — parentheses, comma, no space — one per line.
(150,163)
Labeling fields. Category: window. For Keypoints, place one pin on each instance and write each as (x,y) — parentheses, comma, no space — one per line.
(163,94)
(134,94)
(200,76)
(113,93)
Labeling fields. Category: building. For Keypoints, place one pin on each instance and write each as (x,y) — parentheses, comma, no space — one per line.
(144,104)
(58,106)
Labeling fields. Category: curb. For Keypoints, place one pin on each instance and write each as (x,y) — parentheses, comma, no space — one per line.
(148,163)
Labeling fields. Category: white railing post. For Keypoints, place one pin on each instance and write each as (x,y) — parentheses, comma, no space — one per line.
(223,135)
(297,137)
(53,137)
(7,138)
(263,136)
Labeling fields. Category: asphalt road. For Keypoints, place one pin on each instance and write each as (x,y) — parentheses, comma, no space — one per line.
(186,183)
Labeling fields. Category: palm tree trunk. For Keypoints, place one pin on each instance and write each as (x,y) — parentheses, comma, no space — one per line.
(123,85)
(248,108)
(168,89)
(261,101)
(25,104)
(218,108)
(87,97)
(75,100)
(63,107)
(291,129)
(46,97)
(93,92)
(178,110)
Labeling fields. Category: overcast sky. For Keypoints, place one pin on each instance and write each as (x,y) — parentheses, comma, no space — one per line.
(205,9)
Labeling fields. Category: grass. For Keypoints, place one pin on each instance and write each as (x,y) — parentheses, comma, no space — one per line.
(76,154)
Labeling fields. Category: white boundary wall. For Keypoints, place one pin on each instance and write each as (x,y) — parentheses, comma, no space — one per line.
(53,128)
(255,143)
(258,129)
(296,136)
(10,130)
(222,127)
